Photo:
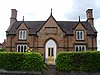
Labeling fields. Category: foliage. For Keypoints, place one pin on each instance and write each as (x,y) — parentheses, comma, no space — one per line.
(21,61)
(2,49)
(29,49)
(78,61)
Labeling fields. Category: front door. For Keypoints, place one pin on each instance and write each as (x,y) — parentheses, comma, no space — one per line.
(50,52)
(50,55)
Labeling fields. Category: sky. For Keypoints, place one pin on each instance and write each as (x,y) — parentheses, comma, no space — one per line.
(34,10)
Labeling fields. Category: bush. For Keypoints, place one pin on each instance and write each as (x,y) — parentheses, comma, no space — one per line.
(21,61)
(2,50)
(78,61)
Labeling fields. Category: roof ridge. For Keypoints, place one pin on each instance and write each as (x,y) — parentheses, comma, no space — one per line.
(56,20)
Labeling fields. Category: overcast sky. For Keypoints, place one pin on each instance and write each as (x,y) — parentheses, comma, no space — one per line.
(40,10)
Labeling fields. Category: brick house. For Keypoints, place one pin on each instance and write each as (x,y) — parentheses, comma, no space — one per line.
(51,36)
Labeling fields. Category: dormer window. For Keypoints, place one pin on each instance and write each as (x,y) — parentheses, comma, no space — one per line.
(22,34)
(79,35)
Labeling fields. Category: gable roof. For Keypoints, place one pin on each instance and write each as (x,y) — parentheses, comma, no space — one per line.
(66,26)
(33,25)
(47,20)
(24,24)
(78,24)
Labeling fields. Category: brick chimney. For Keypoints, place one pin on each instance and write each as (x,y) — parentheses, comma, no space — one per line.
(90,18)
(13,16)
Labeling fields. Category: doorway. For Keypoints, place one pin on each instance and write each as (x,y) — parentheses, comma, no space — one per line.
(50,52)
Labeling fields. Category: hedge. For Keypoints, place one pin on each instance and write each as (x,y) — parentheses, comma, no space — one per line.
(78,61)
(14,61)
(2,49)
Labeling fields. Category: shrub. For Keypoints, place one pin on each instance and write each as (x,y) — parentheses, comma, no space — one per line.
(21,61)
(2,49)
(78,61)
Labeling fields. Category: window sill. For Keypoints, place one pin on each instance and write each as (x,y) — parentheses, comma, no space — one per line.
(22,39)
(80,40)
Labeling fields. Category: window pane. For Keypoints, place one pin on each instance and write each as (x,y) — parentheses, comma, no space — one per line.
(21,48)
(24,48)
(20,34)
(79,48)
(78,35)
(48,51)
(23,34)
(82,48)
(81,35)
(52,51)
(18,49)
(76,48)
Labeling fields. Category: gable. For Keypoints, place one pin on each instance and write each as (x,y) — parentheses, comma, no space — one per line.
(51,25)
(22,26)
(80,26)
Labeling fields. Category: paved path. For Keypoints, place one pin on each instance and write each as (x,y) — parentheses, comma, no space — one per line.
(51,70)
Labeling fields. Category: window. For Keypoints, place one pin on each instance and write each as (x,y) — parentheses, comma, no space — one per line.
(79,35)
(22,34)
(80,47)
(21,48)
(50,51)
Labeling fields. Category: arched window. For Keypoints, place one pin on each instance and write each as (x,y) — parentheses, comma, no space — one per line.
(80,48)
(79,35)
(22,34)
(21,47)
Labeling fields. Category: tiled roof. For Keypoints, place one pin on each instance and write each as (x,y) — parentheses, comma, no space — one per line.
(67,26)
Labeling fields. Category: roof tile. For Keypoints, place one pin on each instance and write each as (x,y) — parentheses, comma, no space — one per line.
(67,26)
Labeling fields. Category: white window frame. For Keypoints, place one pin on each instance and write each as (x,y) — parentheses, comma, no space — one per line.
(79,47)
(79,35)
(21,46)
(22,34)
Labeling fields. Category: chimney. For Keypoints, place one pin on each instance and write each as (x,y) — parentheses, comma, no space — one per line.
(13,16)
(90,18)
